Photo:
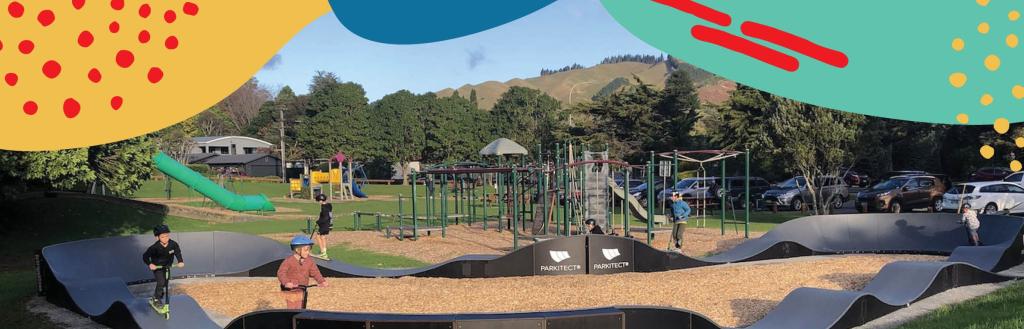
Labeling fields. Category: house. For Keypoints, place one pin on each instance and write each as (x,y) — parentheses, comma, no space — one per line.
(253,165)
(230,145)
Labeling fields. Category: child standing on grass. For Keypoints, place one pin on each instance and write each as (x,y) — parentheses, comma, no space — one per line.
(323,223)
(296,270)
(159,258)
(680,214)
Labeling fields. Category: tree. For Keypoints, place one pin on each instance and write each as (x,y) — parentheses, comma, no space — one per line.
(625,120)
(328,92)
(677,112)
(176,140)
(243,105)
(527,116)
(121,167)
(398,133)
(472,99)
(213,122)
(453,129)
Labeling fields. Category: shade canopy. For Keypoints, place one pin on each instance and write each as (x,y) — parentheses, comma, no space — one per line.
(503,146)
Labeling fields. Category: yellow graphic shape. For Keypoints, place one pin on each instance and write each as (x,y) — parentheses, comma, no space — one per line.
(216,46)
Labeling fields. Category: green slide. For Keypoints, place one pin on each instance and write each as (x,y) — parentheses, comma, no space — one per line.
(208,188)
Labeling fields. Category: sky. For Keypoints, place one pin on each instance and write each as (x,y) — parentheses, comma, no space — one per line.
(563,33)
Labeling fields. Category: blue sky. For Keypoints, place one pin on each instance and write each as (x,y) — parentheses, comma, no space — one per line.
(565,32)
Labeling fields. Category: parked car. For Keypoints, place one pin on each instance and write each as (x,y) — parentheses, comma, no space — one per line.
(794,192)
(690,188)
(1016,178)
(988,174)
(854,178)
(640,191)
(735,187)
(903,193)
(987,197)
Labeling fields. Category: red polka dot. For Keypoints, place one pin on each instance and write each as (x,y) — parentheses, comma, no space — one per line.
(51,69)
(144,10)
(30,107)
(117,4)
(26,46)
(114,27)
(116,102)
(15,9)
(155,74)
(171,42)
(11,79)
(71,108)
(170,16)
(78,3)
(143,36)
(125,58)
(85,39)
(1,45)
(94,75)
(190,9)
(45,17)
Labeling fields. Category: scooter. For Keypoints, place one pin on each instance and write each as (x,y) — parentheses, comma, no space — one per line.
(164,309)
(305,293)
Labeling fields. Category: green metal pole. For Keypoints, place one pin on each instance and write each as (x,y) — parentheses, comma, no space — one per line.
(542,181)
(415,224)
(565,195)
(400,199)
(721,188)
(487,182)
(746,193)
(626,204)
(501,196)
(515,215)
(675,168)
(650,198)
(444,205)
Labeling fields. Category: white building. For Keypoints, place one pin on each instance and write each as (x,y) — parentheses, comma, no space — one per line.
(230,145)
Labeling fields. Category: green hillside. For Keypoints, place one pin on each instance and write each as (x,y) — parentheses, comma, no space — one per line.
(590,81)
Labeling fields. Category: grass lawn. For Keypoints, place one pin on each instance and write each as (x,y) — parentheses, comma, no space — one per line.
(1003,309)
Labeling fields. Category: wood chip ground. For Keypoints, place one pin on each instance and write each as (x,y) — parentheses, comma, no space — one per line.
(464,240)
(732,295)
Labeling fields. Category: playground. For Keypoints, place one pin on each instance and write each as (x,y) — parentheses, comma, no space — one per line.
(501,241)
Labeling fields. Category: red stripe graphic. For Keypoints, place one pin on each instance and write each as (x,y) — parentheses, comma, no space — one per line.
(746,47)
(795,43)
(699,10)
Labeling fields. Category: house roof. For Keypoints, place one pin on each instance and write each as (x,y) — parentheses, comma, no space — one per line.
(236,159)
(210,139)
(200,157)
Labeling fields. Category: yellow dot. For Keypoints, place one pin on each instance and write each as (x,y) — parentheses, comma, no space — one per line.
(986,99)
(1015,165)
(1002,125)
(983,28)
(982,3)
(987,152)
(1019,141)
(959,80)
(1018,91)
(958,44)
(1012,40)
(992,62)
(1014,15)
(962,118)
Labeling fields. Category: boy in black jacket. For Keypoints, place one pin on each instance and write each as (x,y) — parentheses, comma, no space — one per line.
(159,258)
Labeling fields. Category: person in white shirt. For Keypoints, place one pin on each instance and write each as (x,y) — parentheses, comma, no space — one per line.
(970,220)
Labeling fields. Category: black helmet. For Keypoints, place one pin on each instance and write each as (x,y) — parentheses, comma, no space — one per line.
(321,197)
(161,229)
(590,222)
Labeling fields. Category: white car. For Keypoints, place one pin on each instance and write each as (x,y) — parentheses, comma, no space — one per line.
(1016,178)
(987,197)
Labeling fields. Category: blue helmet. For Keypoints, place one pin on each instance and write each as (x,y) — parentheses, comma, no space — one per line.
(301,240)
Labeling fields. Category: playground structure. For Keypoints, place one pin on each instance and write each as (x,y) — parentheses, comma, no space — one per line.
(556,192)
(343,181)
(69,277)
(209,189)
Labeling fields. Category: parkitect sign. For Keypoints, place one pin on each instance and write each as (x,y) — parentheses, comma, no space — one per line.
(592,254)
